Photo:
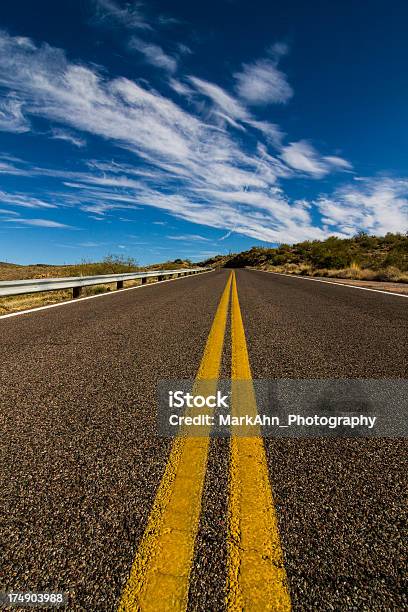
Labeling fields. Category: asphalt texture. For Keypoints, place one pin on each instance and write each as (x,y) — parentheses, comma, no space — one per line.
(81,462)
(341,503)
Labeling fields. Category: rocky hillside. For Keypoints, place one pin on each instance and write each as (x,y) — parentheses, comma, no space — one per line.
(363,256)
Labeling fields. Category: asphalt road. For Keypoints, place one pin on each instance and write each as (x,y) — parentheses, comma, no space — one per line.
(341,503)
(81,462)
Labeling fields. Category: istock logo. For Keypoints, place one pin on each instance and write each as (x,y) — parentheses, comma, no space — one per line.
(180,399)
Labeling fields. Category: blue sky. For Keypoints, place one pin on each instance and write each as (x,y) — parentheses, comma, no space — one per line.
(180,129)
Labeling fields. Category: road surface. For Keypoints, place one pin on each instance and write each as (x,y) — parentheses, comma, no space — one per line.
(84,474)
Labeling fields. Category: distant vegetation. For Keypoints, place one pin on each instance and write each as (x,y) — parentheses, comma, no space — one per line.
(172,265)
(111,264)
(363,257)
(383,258)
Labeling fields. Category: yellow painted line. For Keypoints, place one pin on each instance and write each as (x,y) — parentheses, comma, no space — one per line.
(159,578)
(256,577)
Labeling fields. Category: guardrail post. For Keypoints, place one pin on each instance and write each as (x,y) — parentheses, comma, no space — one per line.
(56,284)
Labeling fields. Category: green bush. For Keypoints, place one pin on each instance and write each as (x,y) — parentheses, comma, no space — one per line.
(368,252)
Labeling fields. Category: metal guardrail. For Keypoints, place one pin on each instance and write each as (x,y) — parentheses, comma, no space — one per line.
(34,285)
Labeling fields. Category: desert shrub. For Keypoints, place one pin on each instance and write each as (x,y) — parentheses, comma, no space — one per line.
(351,256)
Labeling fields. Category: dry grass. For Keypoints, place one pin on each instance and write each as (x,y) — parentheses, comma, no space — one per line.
(15,303)
(15,272)
(354,272)
(26,301)
(111,265)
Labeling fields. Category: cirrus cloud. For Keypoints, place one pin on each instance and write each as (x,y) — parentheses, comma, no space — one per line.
(303,156)
(182,160)
(262,83)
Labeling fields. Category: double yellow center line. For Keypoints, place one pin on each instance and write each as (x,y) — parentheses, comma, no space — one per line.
(256,575)
(256,578)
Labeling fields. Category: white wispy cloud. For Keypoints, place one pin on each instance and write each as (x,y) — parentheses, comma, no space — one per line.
(154,54)
(375,205)
(261,82)
(184,49)
(40,223)
(4,211)
(278,50)
(24,200)
(337,162)
(188,237)
(181,88)
(91,244)
(191,164)
(13,169)
(119,109)
(271,131)
(59,134)
(232,110)
(11,116)
(303,156)
(129,16)
(221,98)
